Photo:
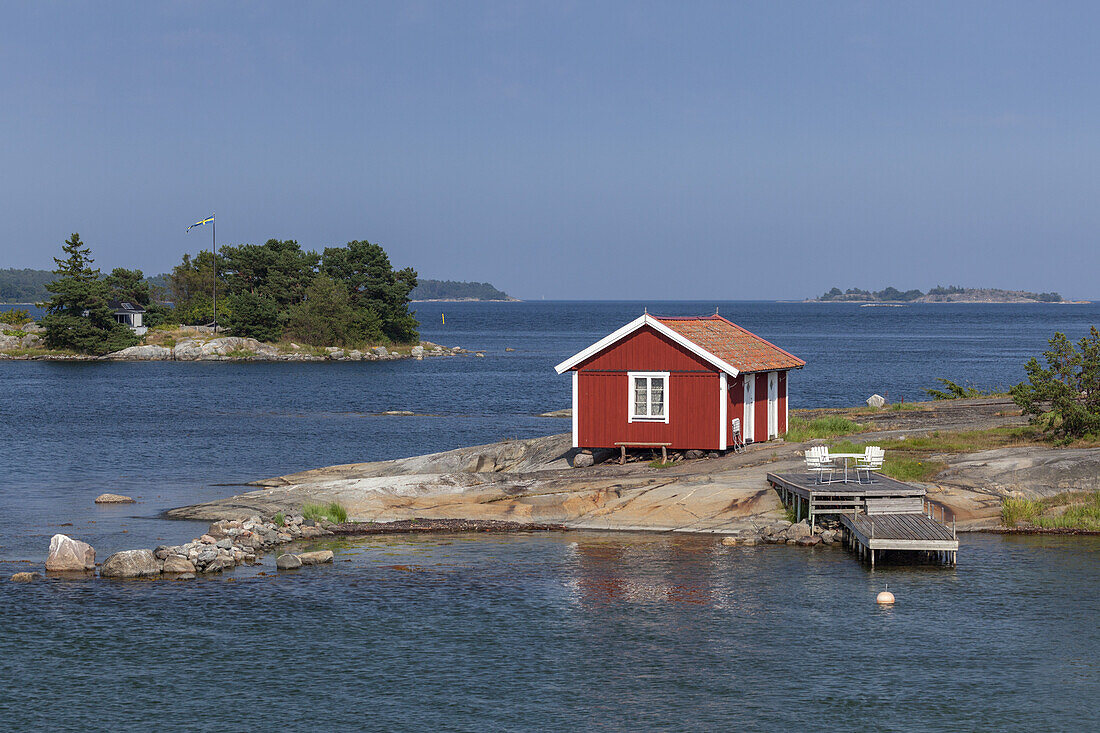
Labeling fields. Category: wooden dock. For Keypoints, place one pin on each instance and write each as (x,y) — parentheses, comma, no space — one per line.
(885,515)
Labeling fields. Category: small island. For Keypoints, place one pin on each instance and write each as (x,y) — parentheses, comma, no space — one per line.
(452,290)
(938,294)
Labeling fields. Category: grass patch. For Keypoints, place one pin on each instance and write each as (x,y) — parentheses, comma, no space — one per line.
(800,430)
(1082,511)
(332,512)
(901,463)
(657,464)
(279,519)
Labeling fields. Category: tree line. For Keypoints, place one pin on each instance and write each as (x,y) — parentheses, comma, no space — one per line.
(346,296)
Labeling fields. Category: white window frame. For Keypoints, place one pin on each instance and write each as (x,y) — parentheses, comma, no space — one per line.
(664,376)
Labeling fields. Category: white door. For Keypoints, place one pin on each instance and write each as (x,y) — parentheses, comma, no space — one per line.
(773,405)
(748,423)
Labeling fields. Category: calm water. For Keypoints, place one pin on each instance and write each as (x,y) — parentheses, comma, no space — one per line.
(564,631)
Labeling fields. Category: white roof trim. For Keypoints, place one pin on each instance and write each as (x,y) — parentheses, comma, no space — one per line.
(646,320)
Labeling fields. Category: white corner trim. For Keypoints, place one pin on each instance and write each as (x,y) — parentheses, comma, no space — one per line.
(630,416)
(576,412)
(723,413)
(646,320)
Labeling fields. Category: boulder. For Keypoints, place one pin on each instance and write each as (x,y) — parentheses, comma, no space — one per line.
(876,401)
(113,499)
(749,542)
(219,564)
(24,577)
(417,352)
(288,562)
(33,327)
(380,351)
(318,557)
(583,460)
(67,554)
(178,564)
(9,342)
(693,454)
(806,541)
(130,564)
(730,541)
(797,531)
(355,355)
(30,341)
(150,352)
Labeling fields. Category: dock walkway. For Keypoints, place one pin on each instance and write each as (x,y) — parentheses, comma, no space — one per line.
(885,515)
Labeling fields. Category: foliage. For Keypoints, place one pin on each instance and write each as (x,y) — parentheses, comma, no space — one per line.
(348,295)
(800,429)
(77,314)
(279,519)
(451,289)
(365,270)
(659,464)
(332,512)
(128,285)
(1015,510)
(24,286)
(158,314)
(253,316)
(952,391)
(15,317)
(1064,396)
(889,293)
(327,317)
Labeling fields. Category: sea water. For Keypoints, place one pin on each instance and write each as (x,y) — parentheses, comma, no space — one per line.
(558,631)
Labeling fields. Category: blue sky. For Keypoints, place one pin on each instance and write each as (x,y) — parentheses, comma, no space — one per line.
(567,150)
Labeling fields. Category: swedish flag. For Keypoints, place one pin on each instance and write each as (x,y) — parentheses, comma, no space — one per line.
(200,223)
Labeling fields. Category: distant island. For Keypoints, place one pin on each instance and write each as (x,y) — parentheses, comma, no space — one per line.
(454,290)
(938,294)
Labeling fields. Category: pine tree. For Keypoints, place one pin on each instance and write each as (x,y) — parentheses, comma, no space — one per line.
(77,314)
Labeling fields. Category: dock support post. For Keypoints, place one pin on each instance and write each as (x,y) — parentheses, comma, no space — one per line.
(872,558)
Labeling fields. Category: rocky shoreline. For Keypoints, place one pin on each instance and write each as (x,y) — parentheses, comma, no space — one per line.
(28,340)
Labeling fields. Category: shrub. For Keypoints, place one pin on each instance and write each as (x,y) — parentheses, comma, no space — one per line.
(15,316)
(952,391)
(1064,396)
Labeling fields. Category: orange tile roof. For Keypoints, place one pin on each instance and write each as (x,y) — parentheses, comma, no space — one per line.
(729,342)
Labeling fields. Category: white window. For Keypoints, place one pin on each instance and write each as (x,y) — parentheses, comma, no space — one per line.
(648,396)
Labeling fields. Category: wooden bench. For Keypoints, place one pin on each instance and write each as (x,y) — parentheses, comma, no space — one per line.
(662,446)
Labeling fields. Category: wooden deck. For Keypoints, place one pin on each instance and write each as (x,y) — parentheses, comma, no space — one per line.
(883,516)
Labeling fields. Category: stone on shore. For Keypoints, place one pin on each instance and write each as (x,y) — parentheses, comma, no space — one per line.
(67,554)
(288,562)
(876,401)
(380,351)
(24,577)
(583,459)
(113,499)
(178,564)
(130,564)
(798,531)
(417,352)
(316,558)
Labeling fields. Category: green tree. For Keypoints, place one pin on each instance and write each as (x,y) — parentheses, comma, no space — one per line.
(15,317)
(365,270)
(1064,396)
(128,285)
(277,269)
(253,316)
(77,314)
(190,286)
(327,317)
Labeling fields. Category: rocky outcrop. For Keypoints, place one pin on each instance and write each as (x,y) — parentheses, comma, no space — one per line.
(177,564)
(113,499)
(24,577)
(141,353)
(130,564)
(288,562)
(69,555)
(318,557)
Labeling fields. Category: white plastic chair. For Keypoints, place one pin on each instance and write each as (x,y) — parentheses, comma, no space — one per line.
(873,458)
(819,463)
(738,441)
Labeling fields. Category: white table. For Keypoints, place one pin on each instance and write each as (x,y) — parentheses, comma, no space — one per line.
(847,457)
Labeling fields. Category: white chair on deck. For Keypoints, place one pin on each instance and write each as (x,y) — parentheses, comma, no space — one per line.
(873,458)
(819,463)
(738,441)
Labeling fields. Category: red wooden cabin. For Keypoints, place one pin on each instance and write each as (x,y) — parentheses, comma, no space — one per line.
(678,382)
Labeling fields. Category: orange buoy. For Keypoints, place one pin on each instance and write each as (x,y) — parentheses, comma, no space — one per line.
(885,597)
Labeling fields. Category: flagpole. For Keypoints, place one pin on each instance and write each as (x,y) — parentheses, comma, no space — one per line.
(214,248)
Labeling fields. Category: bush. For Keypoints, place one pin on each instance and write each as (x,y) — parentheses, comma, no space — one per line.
(15,317)
(1064,396)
